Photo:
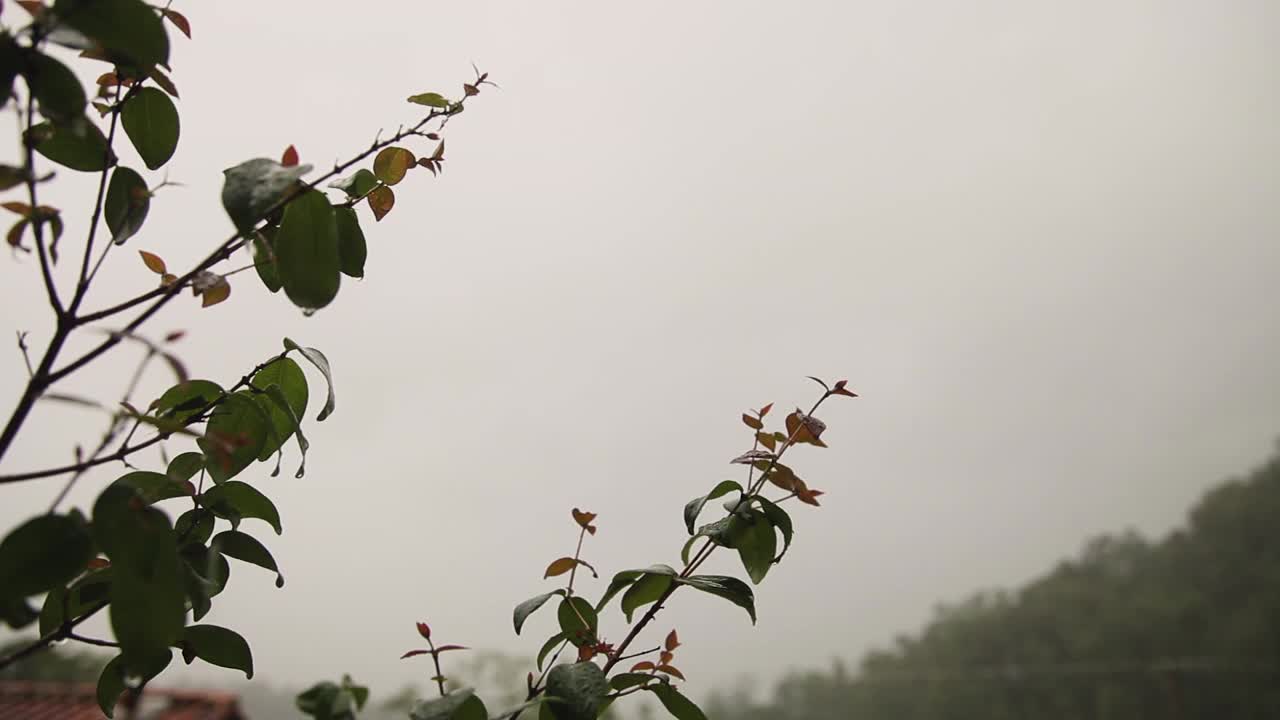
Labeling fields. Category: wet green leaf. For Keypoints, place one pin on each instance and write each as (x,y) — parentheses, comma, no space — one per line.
(694,506)
(236,500)
(356,185)
(352,249)
(237,429)
(306,249)
(151,122)
(527,608)
(78,145)
(233,543)
(253,188)
(578,620)
(128,202)
(680,707)
(285,374)
(579,690)
(129,29)
(42,553)
(646,590)
(729,588)
(321,362)
(218,646)
(55,86)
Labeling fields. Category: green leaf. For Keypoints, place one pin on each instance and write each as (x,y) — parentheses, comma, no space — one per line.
(358,184)
(695,505)
(10,60)
(757,545)
(292,382)
(43,553)
(204,576)
(680,707)
(17,613)
(184,467)
(236,544)
(548,646)
(185,400)
(579,689)
(527,608)
(306,248)
(152,487)
(472,708)
(441,708)
(317,701)
(217,646)
(234,436)
(78,145)
(435,100)
(280,402)
(646,590)
(578,621)
(624,681)
(194,526)
(112,680)
(147,597)
(235,500)
(321,362)
(264,258)
(85,594)
(729,588)
(151,122)
(619,583)
(127,28)
(352,250)
(55,87)
(253,188)
(128,202)
(780,520)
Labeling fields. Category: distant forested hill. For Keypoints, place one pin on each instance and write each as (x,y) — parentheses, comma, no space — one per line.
(1188,627)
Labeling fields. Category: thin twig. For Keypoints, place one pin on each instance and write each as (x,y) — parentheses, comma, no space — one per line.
(26,357)
(62,633)
(82,286)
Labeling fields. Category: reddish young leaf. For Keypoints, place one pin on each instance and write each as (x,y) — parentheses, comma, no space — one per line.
(411,653)
(424,630)
(381,200)
(642,665)
(752,422)
(446,648)
(839,389)
(20,208)
(216,294)
(670,671)
(560,567)
(108,79)
(765,410)
(664,657)
(782,476)
(98,563)
(751,456)
(175,336)
(290,157)
(584,520)
(805,429)
(470,89)
(35,8)
(673,641)
(168,279)
(153,263)
(179,21)
(586,652)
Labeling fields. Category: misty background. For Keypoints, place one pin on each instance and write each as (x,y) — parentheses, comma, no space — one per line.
(1039,239)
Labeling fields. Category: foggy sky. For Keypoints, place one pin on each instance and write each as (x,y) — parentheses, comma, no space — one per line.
(1039,238)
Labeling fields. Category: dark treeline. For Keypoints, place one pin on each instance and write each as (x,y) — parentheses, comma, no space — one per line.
(1185,628)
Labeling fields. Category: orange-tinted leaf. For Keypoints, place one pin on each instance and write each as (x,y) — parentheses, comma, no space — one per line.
(158,76)
(839,389)
(673,641)
(642,665)
(108,79)
(439,153)
(35,8)
(98,563)
(470,89)
(767,440)
(765,410)
(670,671)
(391,164)
(290,157)
(752,422)
(584,519)
(805,428)
(424,630)
(20,208)
(168,279)
(665,657)
(154,263)
(14,236)
(560,567)
(179,21)
(381,200)
(782,476)
(586,652)
(215,294)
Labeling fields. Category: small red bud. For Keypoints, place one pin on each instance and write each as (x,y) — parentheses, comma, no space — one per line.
(424,631)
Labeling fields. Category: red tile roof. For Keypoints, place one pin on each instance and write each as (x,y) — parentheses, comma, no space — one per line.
(58,701)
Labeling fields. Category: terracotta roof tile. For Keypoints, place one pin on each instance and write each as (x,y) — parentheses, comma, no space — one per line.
(57,701)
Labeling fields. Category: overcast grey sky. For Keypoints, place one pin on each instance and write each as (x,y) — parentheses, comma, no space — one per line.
(1039,238)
